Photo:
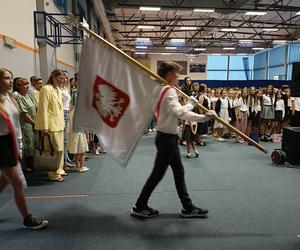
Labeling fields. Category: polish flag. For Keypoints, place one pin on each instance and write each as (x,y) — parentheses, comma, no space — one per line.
(116,100)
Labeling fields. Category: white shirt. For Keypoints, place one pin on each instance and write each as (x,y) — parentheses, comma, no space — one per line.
(235,102)
(296,100)
(257,107)
(14,118)
(30,89)
(280,106)
(243,105)
(170,110)
(66,98)
(267,100)
(209,102)
(224,103)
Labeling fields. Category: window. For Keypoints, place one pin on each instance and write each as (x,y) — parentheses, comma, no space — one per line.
(260,60)
(217,75)
(217,62)
(259,74)
(277,56)
(217,67)
(276,71)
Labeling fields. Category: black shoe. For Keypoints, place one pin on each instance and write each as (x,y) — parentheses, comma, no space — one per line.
(147,212)
(194,212)
(196,154)
(34,223)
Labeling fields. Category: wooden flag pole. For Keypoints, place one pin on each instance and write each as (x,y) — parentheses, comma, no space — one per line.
(157,77)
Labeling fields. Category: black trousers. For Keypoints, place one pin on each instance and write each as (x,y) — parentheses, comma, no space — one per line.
(167,154)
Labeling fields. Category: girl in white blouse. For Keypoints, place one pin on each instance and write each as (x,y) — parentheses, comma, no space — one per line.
(242,113)
(279,112)
(268,113)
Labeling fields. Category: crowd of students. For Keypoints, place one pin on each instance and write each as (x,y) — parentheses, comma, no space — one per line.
(260,113)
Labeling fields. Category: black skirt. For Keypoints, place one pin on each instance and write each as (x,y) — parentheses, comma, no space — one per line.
(232,114)
(279,115)
(188,135)
(7,156)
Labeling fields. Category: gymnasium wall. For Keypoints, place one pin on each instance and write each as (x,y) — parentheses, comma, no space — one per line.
(17,23)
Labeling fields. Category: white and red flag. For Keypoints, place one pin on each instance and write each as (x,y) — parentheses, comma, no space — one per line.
(116,100)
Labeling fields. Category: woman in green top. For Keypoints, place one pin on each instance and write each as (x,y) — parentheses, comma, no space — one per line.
(27,120)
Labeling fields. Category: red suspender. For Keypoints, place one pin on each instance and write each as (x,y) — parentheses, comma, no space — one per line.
(12,131)
(160,100)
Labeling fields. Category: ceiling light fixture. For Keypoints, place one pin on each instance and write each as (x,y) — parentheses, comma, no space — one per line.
(199,49)
(270,29)
(204,10)
(255,13)
(175,40)
(188,28)
(245,41)
(280,41)
(145,27)
(150,8)
(229,29)
(143,39)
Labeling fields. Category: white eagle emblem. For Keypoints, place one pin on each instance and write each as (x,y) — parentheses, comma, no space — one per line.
(107,103)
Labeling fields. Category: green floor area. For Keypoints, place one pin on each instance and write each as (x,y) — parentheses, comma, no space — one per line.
(253,204)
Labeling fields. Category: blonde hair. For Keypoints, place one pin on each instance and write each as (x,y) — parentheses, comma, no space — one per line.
(2,107)
(55,73)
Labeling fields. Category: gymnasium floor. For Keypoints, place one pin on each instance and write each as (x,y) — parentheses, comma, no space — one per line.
(253,204)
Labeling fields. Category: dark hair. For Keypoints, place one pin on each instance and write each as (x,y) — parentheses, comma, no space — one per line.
(202,87)
(15,87)
(185,79)
(166,67)
(20,81)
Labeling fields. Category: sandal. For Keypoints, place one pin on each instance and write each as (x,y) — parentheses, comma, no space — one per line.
(59,179)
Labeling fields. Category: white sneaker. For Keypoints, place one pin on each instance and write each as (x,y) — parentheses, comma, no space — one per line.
(154,130)
(188,155)
(220,139)
(97,151)
(69,164)
(82,170)
(150,130)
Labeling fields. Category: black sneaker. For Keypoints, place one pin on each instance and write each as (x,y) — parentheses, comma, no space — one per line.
(147,212)
(34,223)
(194,212)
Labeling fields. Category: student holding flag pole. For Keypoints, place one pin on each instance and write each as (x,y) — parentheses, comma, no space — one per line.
(168,110)
(114,101)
